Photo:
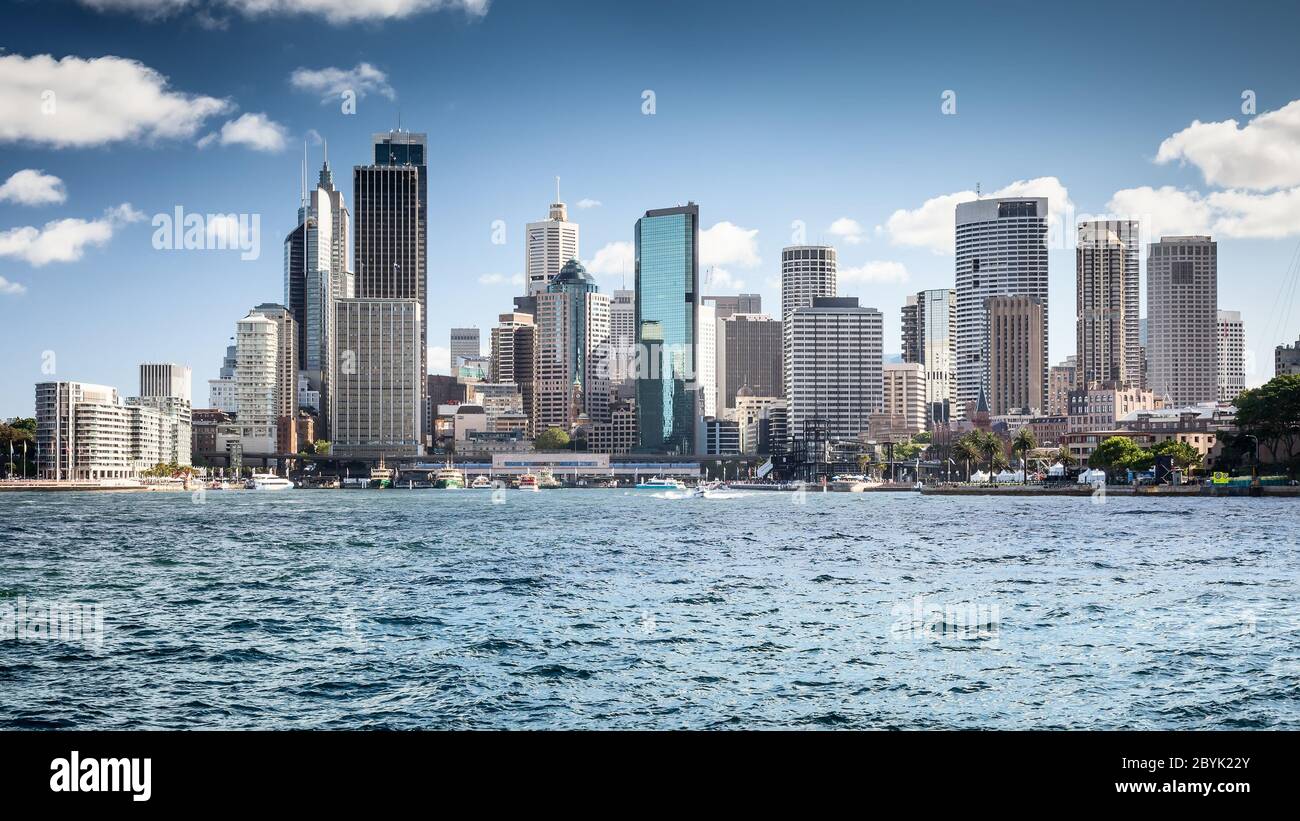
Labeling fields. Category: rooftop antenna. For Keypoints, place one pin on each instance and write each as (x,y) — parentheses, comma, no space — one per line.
(557,189)
(977,190)
(304,172)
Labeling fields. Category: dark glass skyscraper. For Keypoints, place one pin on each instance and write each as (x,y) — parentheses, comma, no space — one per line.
(390,200)
(667,310)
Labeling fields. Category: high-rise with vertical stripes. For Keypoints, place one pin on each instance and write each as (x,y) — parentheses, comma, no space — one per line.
(1001,251)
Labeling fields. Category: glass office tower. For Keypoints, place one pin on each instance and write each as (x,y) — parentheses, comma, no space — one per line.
(667,310)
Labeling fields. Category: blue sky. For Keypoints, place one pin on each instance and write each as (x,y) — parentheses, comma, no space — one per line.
(765,114)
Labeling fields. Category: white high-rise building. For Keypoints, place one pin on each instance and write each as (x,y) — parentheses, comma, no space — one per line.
(807,272)
(836,375)
(165,379)
(1182,319)
(257,371)
(1231,356)
(548,245)
(707,359)
(84,432)
(1001,251)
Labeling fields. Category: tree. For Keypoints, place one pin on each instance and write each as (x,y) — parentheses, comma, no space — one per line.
(322,447)
(1184,455)
(1271,413)
(1064,456)
(16,434)
(965,450)
(923,438)
(552,439)
(981,445)
(906,451)
(1118,453)
(1023,442)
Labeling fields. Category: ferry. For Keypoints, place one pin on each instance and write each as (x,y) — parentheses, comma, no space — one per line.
(481,482)
(661,483)
(382,475)
(268,481)
(547,481)
(449,478)
(853,483)
(528,482)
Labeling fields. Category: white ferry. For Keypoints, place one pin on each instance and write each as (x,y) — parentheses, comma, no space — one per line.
(268,481)
(481,482)
(661,483)
(853,483)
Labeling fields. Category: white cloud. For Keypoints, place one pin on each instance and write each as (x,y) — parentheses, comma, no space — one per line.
(64,240)
(720,280)
(77,102)
(613,258)
(588,203)
(335,11)
(257,131)
(728,244)
(439,359)
(848,230)
(1169,211)
(33,187)
(932,225)
(501,279)
(330,83)
(875,272)
(1164,211)
(11,288)
(1263,154)
(225,231)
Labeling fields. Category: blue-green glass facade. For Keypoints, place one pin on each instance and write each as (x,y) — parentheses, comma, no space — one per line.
(667,307)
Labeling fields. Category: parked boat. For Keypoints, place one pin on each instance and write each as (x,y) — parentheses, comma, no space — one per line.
(449,478)
(269,481)
(528,482)
(547,481)
(481,482)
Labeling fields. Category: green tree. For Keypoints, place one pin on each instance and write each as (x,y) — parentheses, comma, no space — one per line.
(1118,453)
(1064,456)
(1184,455)
(1023,442)
(552,439)
(322,447)
(923,438)
(1271,413)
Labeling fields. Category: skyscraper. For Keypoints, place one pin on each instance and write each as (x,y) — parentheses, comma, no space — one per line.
(1001,250)
(165,379)
(1107,340)
(465,344)
(391,229)
(1286,359)
(378,380)
(706,359)
(572,333)
(929,337)
(807,272)
(548,245)
(257,350)
(750,353)
(1182,317)
(1231,356)
(1016,346)
(286,371)
(667,302)
(514,345)
(836,369)
(726,305)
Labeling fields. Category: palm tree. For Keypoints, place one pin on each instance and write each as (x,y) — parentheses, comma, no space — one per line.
(1024,442)
(966,450)
(1064,456)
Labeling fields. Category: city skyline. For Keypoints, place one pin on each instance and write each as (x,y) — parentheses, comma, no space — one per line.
(884,225)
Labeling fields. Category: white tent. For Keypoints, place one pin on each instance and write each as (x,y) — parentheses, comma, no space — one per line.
(979,476)
(1057,469)
(1091,477)
(1007,476)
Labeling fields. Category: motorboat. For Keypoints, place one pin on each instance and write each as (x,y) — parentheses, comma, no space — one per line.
(481,482)
(269,481)
(853,483)
(661,483)
(528,482)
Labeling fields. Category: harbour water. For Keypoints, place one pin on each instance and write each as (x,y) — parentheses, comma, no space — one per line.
(618,609)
